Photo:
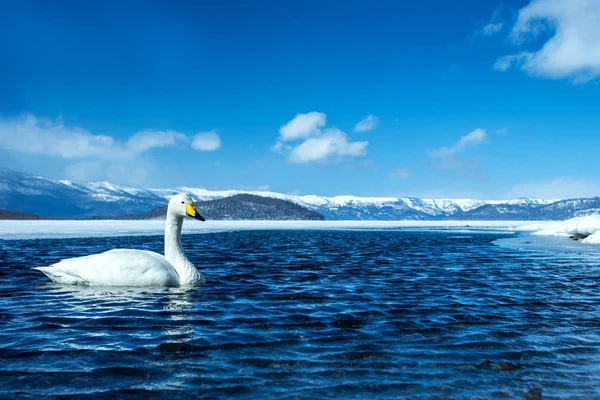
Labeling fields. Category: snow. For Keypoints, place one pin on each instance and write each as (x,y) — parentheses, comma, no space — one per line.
(311,200)
(46,229)
(110,189)
(528,201)
(345,200)
(532,226)
(105,190)
(448,205)
(593,238)
(586,226)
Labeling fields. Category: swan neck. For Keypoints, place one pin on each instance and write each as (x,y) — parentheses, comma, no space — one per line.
(173,236)
(174,251)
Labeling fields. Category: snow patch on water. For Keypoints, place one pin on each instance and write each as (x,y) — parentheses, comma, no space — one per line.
(587,227)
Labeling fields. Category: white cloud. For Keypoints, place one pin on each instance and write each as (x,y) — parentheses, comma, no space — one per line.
(558,188)
(206,141)
(367,124)
(399,173)
(573,48)
(491,28)
(504,63)
(145,140)
(332,142)
(280,147)
(502,131)
(494,26)
(449,159)
(471,139)
(316,144)
(303,125)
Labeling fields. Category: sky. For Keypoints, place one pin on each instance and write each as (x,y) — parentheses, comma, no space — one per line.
(466,98)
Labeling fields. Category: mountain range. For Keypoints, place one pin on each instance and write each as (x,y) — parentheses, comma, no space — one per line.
(25,193)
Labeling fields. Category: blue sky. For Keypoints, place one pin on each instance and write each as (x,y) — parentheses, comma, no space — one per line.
(483,99)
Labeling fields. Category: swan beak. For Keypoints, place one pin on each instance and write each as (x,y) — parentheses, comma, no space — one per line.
(191,211)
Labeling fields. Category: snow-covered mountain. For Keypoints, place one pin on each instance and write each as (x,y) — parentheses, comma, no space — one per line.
(51,198)
(61,198)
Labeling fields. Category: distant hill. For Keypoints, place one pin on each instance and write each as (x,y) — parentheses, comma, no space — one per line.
(9,214)
(242,207)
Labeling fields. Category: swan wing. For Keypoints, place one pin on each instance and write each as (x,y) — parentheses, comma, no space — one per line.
(119,267)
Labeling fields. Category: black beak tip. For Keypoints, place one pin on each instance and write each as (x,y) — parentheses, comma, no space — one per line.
(200,217)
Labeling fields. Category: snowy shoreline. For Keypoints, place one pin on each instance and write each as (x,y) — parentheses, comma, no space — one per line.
(46,229)
(585,228)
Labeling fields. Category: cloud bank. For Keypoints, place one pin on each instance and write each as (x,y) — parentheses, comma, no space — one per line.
(94,156)
(558,188)
(33,135)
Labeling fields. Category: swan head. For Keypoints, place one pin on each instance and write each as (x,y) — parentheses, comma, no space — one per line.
(182,205)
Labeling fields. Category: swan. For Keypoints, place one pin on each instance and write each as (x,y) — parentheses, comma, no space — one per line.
(127,267)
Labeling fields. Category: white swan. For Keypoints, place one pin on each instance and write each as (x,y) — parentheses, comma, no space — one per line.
(126,267)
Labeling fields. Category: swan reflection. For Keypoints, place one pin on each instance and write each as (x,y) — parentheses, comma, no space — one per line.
(163,305)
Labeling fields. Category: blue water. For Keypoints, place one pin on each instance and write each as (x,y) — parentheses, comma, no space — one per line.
(308,315)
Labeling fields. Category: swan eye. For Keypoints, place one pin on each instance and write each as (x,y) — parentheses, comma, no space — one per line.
(183,202)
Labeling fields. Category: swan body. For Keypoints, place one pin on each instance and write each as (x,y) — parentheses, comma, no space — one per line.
(116,267)
(127,267)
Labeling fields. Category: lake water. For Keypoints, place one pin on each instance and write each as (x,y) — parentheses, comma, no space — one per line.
(308,315)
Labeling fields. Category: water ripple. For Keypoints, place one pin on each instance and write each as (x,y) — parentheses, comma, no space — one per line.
(306,315)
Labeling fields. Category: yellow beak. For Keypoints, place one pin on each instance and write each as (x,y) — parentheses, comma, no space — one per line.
(191,211)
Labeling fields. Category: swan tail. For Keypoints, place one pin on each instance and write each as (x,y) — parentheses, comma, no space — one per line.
(61,277)
(46,271)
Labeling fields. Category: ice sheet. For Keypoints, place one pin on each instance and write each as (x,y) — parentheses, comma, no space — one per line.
(68,229)
(553,244)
